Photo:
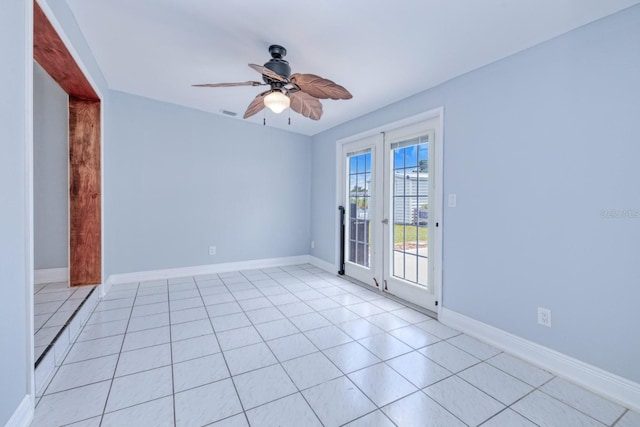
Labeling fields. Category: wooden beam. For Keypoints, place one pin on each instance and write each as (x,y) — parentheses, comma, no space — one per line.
(85,255)
(52,54)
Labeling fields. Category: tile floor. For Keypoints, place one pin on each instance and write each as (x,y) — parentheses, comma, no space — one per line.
(54,303)
(295,346)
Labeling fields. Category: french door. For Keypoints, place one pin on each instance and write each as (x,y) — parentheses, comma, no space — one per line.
(392,201)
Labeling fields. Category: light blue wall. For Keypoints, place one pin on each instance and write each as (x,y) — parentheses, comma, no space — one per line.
(181,180)
(536,147)
(13,214)
(50,172)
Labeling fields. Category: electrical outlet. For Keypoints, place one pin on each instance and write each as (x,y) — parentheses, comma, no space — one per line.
(212,250)
(544,317)
(453,200)
(313,244)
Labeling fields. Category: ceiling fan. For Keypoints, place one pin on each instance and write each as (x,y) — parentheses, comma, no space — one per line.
(301,92)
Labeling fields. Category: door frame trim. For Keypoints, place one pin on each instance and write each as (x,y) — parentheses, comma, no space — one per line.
(435,113)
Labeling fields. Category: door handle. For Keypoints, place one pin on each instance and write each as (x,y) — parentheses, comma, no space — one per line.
(385,221)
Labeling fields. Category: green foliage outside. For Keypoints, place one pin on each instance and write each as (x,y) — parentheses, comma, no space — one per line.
(401,231)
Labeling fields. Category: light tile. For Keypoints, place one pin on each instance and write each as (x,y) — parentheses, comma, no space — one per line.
(324,303)
(146,338)
(175,295)
(415,337)
(72,405)
(187,330)
(263,385)
(148,309)
(276,329)
(438,329)
(91,422)
(419,370)
(385,346)
(339,315)
(230,321)
(77,374)
(501,386)
(544,410)
(360,328)
(338,401)
(215,296)
(630,419)
(247,293)
(235,421)
(152,299)
(508,418)
(148,322)
(593,405)
(388,304)
(238,338)
(264,315)
(138,388)
(94,348)
(156,413)
(114,304)
(374,419)
(365,309)
(295,309)
(183,304)
(449,356)
(109,316)
(419,410)
(351,357)
(329,336)
(45,336)
(194,347)
(474,347)
(248,358)
(101,330)
(290,411)
(520,369)
(255,303)
(310,370)
(308,295)
(206,404)
(411,315)
(189,315)
(198,372)
(283,299)
(464,400)
(223,309)
(347,299)
(143,359)
(291,346)
(382,384)
(306,322)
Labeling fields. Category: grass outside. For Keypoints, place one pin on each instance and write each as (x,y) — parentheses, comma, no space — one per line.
(408,233)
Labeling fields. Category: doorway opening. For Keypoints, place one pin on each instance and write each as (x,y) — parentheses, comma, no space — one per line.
(390,183)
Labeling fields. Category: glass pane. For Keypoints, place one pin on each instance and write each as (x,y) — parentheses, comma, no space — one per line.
(410,197)
(359,174)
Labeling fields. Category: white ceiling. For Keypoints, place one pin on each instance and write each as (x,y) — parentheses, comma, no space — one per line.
(381,50)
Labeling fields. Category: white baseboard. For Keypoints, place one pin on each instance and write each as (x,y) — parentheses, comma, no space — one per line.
(197,270)
(597,380)
(320,263)
(51,275)
(23,415)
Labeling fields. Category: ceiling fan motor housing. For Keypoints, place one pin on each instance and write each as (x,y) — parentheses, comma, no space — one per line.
(276,63)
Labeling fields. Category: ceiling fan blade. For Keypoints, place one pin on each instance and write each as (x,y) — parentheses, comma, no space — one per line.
(267,72)
(306,105)
(256,105)
(230,84)
(319,87)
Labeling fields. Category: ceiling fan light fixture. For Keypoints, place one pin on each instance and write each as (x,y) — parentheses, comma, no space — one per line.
(277,101)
